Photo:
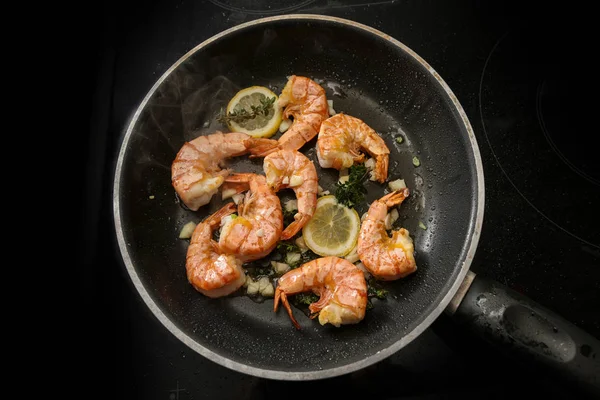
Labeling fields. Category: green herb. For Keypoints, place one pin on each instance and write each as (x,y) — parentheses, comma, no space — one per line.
(241,115)
(307,256)
(305,298)
(283,248)
(374,289)
(416,161)
(379,293)
(399,139)
(287,246)
(352,191)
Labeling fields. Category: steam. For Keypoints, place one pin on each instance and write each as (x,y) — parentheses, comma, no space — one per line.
(200,109)
(183,107)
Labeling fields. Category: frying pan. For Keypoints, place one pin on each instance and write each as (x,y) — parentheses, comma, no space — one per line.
(376,78)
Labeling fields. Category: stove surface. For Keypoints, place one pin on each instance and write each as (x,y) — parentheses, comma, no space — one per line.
(508,68)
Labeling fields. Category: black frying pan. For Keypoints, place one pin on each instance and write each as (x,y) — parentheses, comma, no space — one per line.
(373,77)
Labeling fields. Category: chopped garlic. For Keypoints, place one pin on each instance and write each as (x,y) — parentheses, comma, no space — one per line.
(225,220)
(285,180)
(330,106)
(279,267)
(301,245)
(285,125)
(187,230)
(292,257)
(397,185)
(260,232)
(237,198)
(268,291)
(252,288)
(390,218)
(263,283)
(227,193)
(320,190)
(291,205)
(296,180)
(344,179)
(248,281)
(370,164)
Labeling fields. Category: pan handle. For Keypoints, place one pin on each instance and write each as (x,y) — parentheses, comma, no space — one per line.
(527,330)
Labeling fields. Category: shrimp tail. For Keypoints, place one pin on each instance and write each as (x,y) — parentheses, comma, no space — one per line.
(381,168)
(215,220)
(279,293)
(238,187)
(261,147)
(395,198)
(240,178)
(299,221)
(238,182)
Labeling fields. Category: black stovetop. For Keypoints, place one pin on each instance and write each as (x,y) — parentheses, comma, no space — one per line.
(540,235)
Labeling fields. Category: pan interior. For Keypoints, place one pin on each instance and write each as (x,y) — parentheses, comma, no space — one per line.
(366,76)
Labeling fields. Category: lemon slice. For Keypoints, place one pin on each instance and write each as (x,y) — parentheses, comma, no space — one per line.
(261,126)
(333,229)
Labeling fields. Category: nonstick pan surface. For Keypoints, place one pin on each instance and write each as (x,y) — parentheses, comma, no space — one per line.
(368,75)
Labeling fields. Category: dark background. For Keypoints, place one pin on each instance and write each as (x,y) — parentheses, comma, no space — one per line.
(534,239)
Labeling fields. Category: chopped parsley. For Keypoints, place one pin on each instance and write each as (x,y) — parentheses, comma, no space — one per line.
(377,292)
(353,191)
(305,298)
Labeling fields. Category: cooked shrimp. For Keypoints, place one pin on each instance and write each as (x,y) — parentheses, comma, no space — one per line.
(196,172)
(341,140)
(340,285)
(209,270)
(305,101)
(386,258)
(254,233)
(292,169)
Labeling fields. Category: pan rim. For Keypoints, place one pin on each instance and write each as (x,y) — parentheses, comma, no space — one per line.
(475,226)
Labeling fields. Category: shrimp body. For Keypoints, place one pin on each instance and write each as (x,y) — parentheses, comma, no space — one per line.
(386,258)
(210,271)
(340,285)
(341,141)
(306,102)
(254,233)
(196,172)
(292,169)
